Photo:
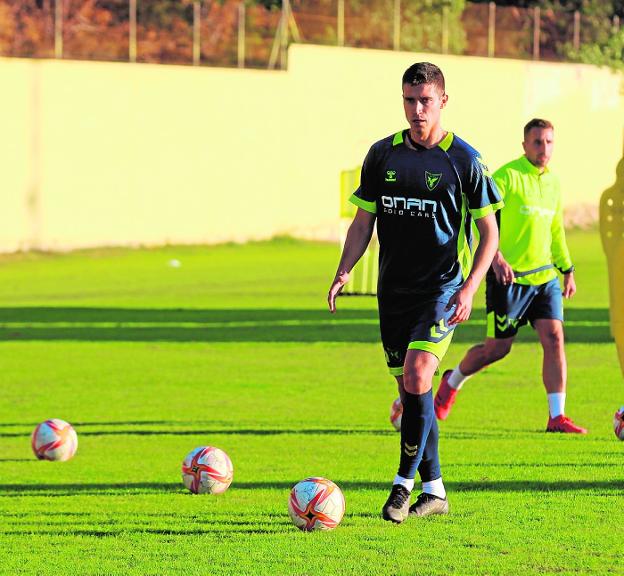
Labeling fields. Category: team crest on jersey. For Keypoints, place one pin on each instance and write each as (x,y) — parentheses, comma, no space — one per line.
(390,175)
(432,180)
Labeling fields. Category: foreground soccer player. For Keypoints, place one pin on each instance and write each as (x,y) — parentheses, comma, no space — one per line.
(423,185)
(523,285)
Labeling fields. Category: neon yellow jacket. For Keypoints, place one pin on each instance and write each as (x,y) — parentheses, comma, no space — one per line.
(532,237)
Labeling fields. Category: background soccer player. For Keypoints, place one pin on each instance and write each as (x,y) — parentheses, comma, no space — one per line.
(423,185)
(522,285)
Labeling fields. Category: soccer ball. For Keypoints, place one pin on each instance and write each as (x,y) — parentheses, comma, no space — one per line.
(207,470)
(316,504)
(54,440)
(618,423)
(396,413)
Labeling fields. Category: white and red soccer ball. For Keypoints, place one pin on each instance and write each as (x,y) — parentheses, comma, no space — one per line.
(207,470)
(54,440)
(396,414)
(618,423)
(316,504)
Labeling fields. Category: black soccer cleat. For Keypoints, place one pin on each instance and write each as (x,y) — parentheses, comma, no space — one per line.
(428,504)
(396,507)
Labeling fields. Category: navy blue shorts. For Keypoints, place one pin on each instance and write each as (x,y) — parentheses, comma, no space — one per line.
(414,325)
(509,307)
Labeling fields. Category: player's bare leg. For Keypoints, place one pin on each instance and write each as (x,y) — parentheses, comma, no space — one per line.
(482,355)
(554,375)
(477,358)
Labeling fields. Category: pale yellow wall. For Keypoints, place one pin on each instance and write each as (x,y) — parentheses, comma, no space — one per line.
(103,154)
(17,135)
(490,101)
(152,154)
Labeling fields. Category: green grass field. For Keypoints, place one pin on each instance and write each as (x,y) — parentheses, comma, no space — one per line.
(235,349)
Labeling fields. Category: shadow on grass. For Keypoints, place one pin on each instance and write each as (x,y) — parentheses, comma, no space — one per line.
(70,524)
(243,325)
(193,428)
(222,530)
(499,434)
(95,489)
(48,514)
(524,465)
(63,519)
(228,432)
(108,489)
(120,423)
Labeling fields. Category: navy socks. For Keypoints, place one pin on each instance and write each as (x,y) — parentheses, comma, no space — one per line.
(419,438)
(429,468)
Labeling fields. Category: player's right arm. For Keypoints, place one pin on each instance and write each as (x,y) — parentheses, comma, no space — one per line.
(361,228)
(502,270)
(358,237)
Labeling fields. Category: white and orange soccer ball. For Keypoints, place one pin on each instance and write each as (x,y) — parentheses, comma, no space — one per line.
(396,414)
(54,440)
(316,504)
(207,470)
(618,423)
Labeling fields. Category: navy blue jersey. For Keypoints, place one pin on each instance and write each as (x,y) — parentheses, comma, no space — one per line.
(425,200)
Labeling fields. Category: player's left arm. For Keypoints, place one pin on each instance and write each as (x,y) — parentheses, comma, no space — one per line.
(484,200)
(561,254)
(488,245)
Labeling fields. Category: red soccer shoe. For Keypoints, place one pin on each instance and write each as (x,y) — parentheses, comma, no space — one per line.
(564,424)
(444,398)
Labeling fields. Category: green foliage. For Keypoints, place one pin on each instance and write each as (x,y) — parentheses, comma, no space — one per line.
(164,12)
(371,24)
(424,22)
(609,53)
(557,25)
(269,4)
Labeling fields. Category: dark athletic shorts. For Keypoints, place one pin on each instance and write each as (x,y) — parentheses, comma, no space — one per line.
(509,307)
(414,325)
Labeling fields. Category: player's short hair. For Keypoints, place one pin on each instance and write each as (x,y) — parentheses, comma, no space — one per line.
(537,123)
(424,73)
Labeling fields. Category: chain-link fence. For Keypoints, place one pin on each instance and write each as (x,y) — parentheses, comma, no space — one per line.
(256,34)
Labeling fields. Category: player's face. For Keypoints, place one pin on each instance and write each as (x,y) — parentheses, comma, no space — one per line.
(538,146)
(423,104)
